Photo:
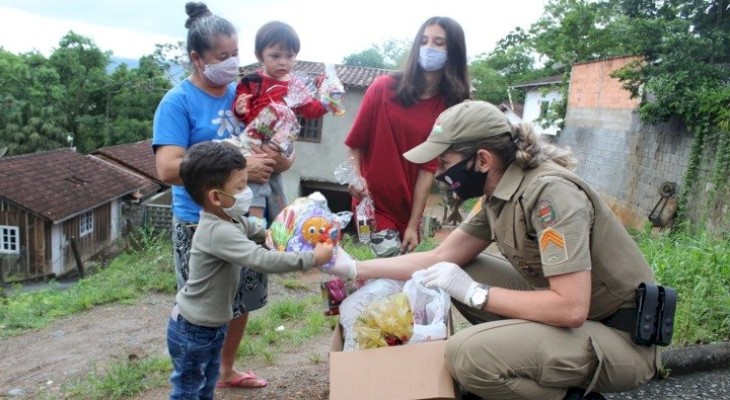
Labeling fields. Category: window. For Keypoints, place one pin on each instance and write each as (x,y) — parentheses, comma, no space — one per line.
(311,130)
(86,223)
(9,239)
(544,108)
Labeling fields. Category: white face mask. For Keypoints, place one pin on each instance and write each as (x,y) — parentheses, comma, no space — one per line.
(222,73)
(241,205)
(431,59)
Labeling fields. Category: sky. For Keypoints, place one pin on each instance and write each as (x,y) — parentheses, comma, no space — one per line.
(329,30)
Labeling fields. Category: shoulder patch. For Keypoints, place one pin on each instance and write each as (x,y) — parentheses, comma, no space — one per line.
(547,213)
(553,248)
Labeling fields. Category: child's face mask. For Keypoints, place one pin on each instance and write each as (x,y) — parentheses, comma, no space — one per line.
(241,205)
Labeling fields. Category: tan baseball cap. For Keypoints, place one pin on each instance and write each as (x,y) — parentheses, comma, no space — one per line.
(464,122)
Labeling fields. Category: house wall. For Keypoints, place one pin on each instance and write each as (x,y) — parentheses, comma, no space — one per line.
(531,112)
(317,161)
(88,245)
(32,257)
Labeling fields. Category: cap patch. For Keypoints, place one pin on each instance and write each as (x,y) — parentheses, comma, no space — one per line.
(547,213)
(552,247)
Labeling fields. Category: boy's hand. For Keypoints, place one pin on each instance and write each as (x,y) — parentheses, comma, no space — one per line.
(323,252)
(242,104)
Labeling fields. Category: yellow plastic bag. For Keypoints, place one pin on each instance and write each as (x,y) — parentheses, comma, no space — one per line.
(387,322)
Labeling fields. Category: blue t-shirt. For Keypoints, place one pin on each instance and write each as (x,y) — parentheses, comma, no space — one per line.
(188,115)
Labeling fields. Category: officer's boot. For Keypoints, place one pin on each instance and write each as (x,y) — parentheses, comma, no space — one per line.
(577,394)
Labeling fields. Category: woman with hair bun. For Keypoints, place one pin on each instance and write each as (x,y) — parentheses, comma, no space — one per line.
(196,110)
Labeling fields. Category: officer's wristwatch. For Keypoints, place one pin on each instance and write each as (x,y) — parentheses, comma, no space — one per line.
(480,297)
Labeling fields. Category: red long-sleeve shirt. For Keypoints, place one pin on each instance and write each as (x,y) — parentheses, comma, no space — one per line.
(383,130)
(266,90)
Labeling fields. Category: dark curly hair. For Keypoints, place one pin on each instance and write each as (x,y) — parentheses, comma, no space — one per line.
(208,165)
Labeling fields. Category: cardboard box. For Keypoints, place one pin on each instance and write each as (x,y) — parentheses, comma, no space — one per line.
(407,372)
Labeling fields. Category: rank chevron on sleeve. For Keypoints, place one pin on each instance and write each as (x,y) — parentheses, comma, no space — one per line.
(549,236)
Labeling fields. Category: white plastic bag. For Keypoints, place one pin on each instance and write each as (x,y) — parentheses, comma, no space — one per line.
(430,309)
(354,304)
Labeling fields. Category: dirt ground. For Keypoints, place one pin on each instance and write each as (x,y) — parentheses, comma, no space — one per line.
(38,363)
(41,361)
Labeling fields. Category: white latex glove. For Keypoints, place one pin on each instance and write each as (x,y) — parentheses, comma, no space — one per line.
(451,278)
(343,265)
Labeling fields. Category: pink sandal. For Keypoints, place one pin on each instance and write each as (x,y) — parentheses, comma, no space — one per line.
(244,380)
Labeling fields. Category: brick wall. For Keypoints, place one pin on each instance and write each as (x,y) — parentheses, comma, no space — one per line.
(591,86)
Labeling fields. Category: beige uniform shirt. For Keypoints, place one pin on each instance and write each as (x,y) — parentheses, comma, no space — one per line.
(547,222)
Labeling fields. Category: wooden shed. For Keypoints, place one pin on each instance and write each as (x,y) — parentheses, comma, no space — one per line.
(51,200)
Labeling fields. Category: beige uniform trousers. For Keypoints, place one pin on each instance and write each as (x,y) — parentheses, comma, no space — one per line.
(518,359)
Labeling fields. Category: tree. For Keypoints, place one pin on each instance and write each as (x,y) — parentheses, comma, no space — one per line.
(69,99)
(389,55)
(366,58)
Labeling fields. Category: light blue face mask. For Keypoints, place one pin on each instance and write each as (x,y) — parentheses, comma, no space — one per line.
(431,59)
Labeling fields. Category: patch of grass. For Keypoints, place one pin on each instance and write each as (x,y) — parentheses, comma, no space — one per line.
(281,325)
(698,267)
(121,380)
(126,279)
(293,283)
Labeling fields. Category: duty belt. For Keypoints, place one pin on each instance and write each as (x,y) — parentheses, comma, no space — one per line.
(652,320)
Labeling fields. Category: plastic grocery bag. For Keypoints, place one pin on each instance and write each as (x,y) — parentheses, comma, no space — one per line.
(331,91)
(365,210)
(430,308)
(353,305)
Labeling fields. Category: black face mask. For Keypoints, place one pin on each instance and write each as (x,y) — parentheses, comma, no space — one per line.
(464,181)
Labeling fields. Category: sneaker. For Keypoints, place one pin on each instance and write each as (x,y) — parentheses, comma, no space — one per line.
(385,243)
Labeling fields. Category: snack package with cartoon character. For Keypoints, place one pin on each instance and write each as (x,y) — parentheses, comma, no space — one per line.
(332,91)
(300,226)
(306,222)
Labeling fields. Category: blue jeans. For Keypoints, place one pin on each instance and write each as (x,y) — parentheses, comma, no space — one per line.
(196,358)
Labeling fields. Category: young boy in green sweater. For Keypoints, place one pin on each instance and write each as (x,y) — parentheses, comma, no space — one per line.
(214,173)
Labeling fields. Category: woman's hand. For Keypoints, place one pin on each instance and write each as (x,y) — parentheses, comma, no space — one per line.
(359,188)
(451,278)
(281,161)
(259,167)
(410,240)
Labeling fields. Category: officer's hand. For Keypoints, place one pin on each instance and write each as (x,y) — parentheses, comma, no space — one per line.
(343,266)
(451,278)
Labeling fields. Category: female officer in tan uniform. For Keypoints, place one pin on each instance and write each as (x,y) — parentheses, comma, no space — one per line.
(569,265)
